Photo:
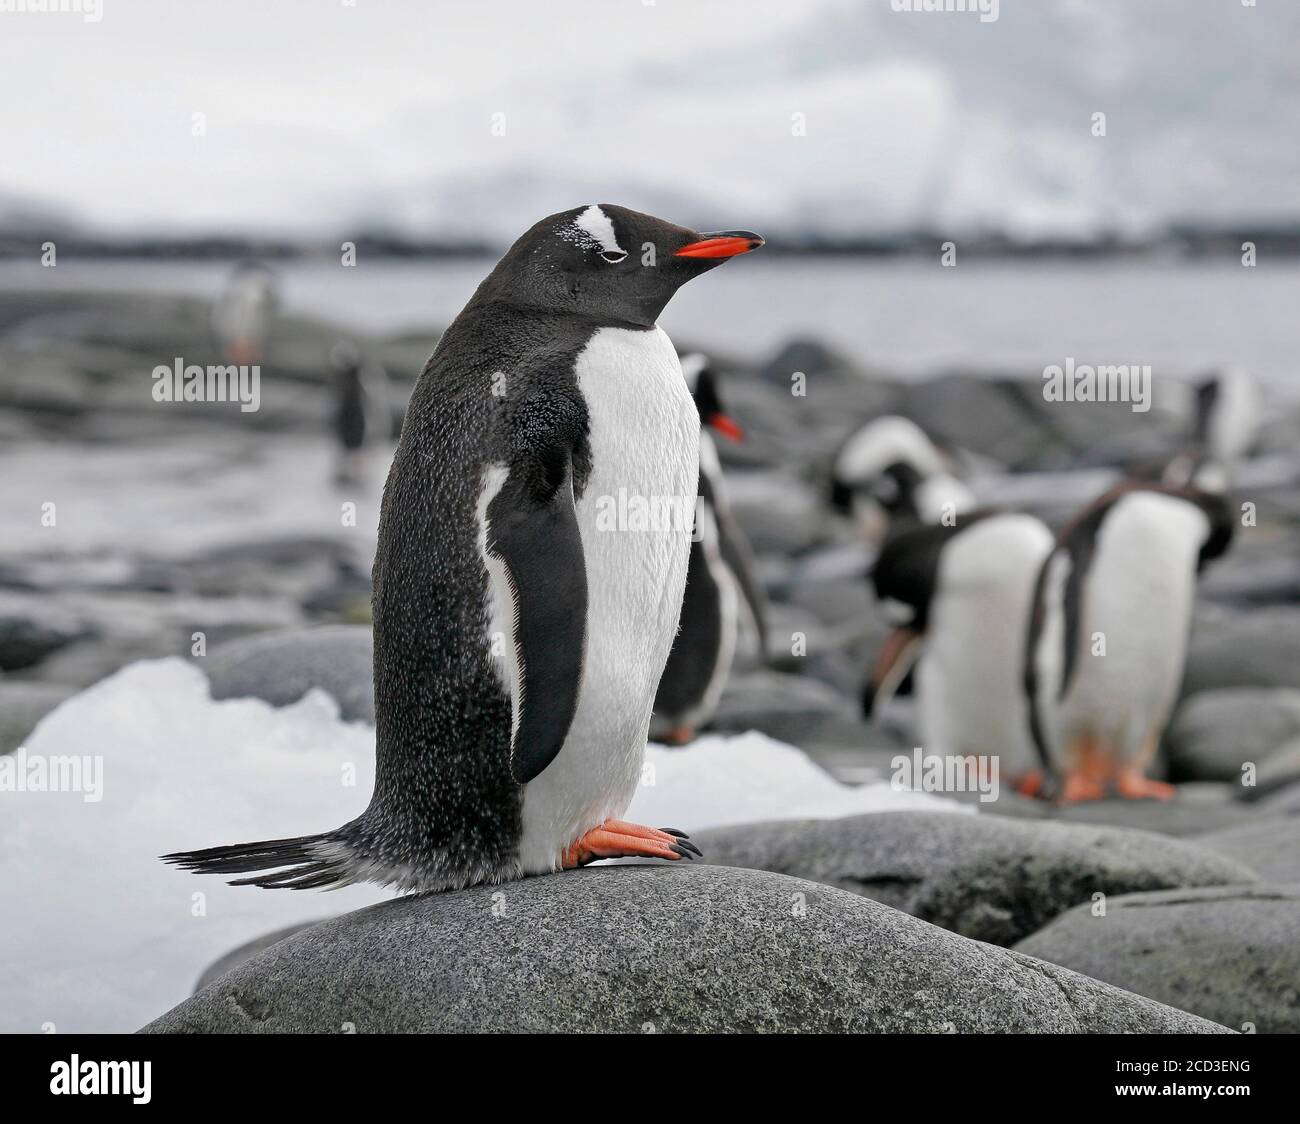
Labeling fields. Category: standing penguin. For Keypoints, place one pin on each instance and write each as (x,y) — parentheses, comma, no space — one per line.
(362,410)
(969,589)
(1108,634)
(719,579)
(518,640)
(1227,415)
(1225,428)
(888,472)
(242,314)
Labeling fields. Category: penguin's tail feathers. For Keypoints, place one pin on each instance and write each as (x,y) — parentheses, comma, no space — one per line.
(309,862)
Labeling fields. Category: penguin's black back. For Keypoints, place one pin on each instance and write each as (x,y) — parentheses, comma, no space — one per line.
(350,408)
(694,653)
(444,796)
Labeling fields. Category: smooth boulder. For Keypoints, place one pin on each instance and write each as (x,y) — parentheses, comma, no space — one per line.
(281,667)
(1228,953)
(1270,846)
(988,877)
(1215,732)
(637,949)
(22,705)
(1260,648)
(246,951)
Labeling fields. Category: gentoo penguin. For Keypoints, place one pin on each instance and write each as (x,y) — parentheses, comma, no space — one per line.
(1227,415)
(241,316)
(968,589)
(719,579)
(889,470)
(519,636)
(1224,429)
(1108,634)
(362,411)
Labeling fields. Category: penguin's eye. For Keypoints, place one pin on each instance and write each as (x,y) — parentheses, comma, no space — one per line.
(613,256)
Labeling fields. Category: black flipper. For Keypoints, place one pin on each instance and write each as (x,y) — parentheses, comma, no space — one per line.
(739,557)
(533,531)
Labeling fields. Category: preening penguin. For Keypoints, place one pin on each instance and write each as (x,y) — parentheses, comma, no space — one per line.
(719,581)
(519,637)
(968,589)
(1108,634)
(889,472)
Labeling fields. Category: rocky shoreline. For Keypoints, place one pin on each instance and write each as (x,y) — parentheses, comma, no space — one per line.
(1105,917)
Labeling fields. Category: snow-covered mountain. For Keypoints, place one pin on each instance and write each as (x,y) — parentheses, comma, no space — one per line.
(827,118)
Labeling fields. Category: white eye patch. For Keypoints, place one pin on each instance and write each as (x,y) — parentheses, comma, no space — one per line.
(595,227)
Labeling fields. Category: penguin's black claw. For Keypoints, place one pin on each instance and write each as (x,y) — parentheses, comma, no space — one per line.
(673,831)
(694,850)
(681,850)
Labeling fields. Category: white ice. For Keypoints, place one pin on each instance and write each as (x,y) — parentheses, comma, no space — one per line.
(96,934)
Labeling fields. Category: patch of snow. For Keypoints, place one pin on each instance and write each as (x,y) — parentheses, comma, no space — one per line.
(96,934)
(745,778)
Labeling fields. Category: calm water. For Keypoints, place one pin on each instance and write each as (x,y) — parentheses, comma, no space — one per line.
(911,316)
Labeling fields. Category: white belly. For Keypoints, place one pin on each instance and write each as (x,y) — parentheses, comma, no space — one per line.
(970,681)
(635,521)
(1136,615)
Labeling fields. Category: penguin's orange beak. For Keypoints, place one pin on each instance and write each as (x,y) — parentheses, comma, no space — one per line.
(724,425)
(721,244)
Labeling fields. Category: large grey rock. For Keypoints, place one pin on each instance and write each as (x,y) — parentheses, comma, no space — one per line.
(779,513)
(32,626)
(22,705)
(1270,846)
(246,951)
(1196,807)
(985,415)
(630,949)
(791,708)
(1260,648)
(1281,798)
(1214,732)
(1229,953)
(987,877)
(281,667)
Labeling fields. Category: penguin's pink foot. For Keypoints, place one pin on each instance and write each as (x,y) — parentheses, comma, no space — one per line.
(679,735)
(1030,784)
(1130,784)
(1078,787)
(615,839)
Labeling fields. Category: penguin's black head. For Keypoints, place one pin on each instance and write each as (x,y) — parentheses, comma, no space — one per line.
(607,263)
(896,487)
(1207,396)
(1218,512)
(702,381)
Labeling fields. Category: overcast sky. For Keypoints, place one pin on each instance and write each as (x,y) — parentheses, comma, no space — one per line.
(324,118)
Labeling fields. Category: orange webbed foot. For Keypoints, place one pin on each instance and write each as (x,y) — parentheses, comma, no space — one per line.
(1130,784)
(1076,788)
(616,839)
(1031,784)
